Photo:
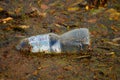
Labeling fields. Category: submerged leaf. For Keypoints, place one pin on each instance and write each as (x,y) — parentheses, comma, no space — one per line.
(116,40)
(92,20)
(24,26)
(113,14)
(35,72)
(6,19)
(1,9)
(72,9)
(87,7)
(114,28)
(17,11)
(44,6)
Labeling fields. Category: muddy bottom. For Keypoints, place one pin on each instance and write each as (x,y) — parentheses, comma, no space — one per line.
(21,19)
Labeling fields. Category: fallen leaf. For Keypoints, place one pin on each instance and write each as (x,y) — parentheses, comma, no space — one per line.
(54,3)
(39,68)
(113,14)
(1,9)
(35,72)
(60,77)
(67,68)
(111,54)
(92,20)
(110,68)
(44,6)
(79,2)
(6,19)
(82,57)
(102,65)
(19,36)
(72,9)
(95,77)
(96,11)
(116,40)
(112,43)
(38,12)
(111,10)
(87,7)
(60,19)
(57,25)
(68,27)
(114,28)
(57,30)
(39,78)
(39,2)
(24,26)
(18,10)
(43,14)
(94,33)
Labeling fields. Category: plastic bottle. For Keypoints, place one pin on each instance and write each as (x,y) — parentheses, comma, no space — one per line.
(75,40)
(71,41)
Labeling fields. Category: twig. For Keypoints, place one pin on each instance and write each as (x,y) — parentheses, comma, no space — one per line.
(82,57)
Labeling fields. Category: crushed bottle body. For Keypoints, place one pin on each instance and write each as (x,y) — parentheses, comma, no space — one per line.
(71,41)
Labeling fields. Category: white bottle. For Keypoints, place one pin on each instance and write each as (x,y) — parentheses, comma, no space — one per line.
(71,41)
